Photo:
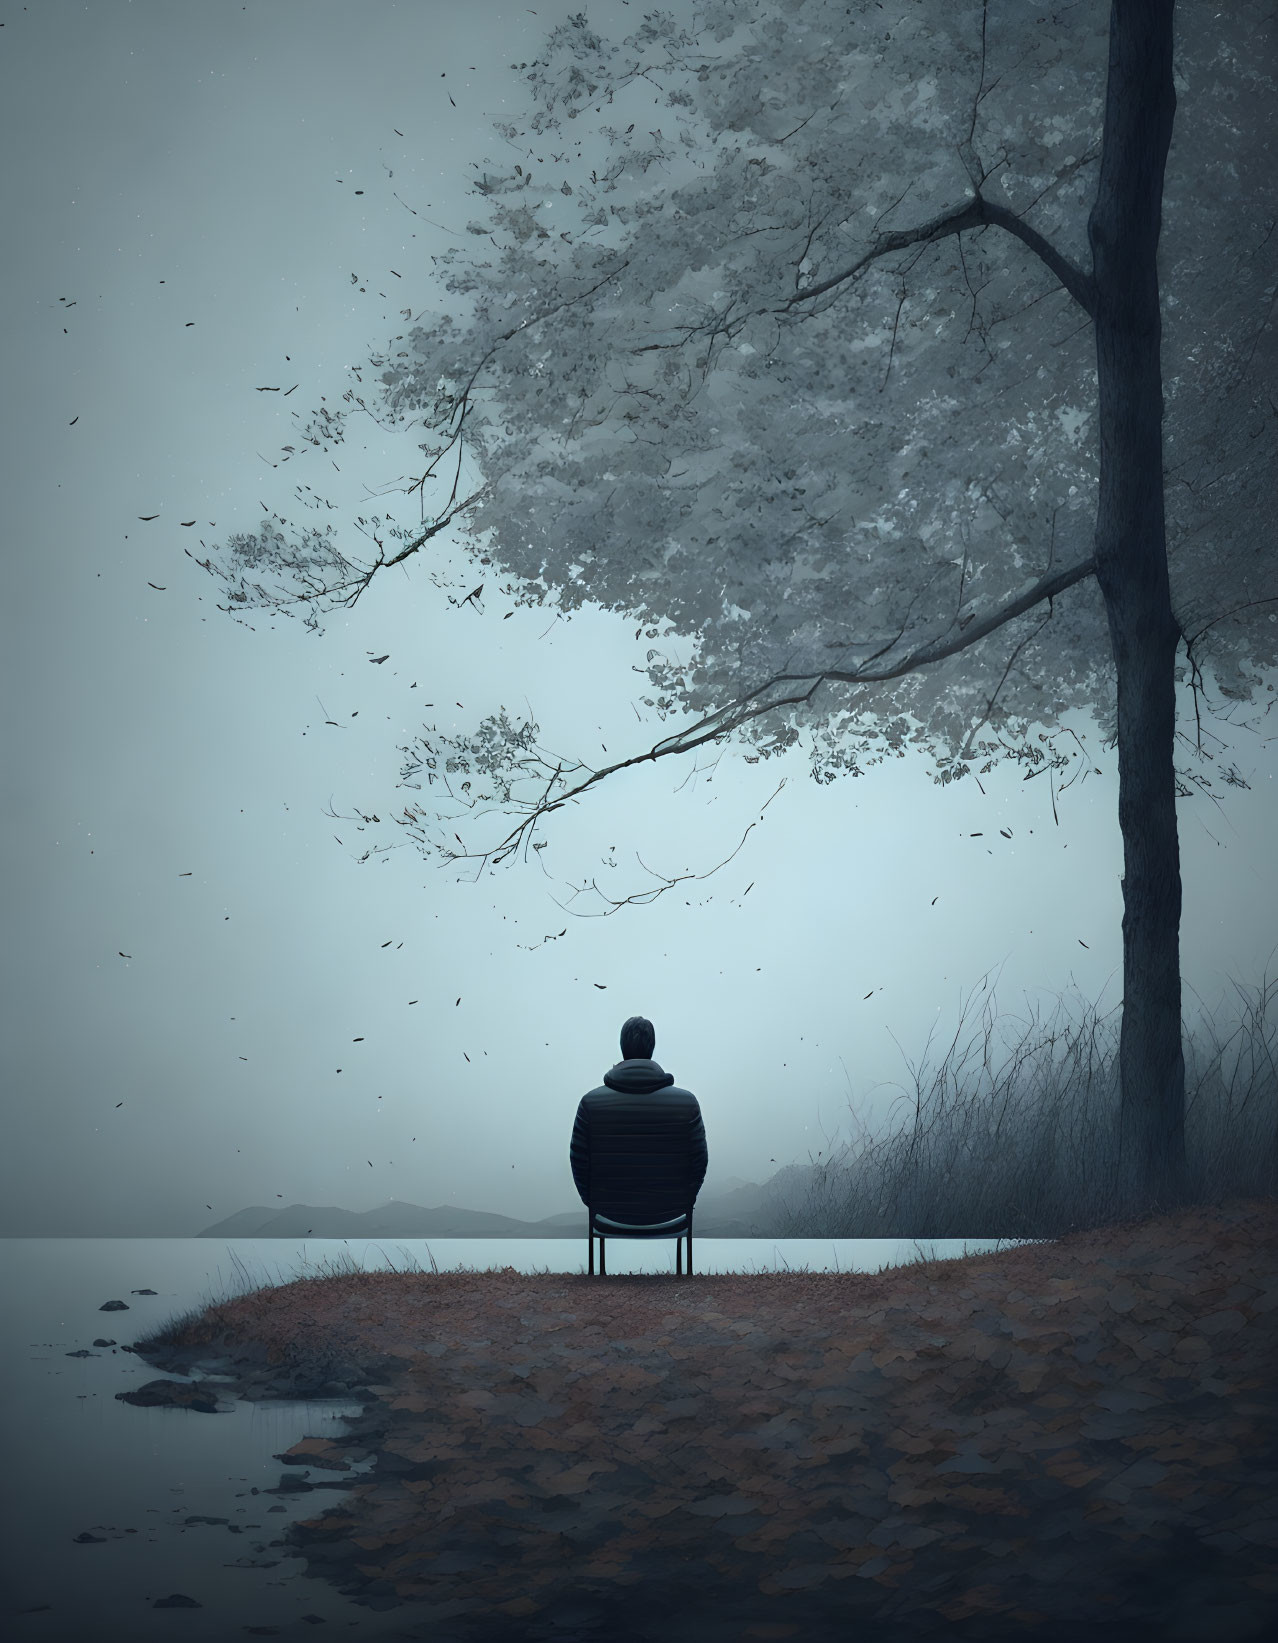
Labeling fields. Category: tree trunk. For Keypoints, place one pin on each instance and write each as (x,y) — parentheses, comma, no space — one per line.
(1131,568)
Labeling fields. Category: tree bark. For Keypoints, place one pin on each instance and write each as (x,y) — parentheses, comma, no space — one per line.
(1131,568)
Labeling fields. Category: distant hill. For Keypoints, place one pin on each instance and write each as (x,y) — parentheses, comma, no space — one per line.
(743,1211)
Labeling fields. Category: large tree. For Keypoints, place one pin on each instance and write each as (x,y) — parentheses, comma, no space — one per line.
(832,371)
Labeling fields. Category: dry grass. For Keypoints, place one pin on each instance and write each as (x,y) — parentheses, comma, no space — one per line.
(1030,1150)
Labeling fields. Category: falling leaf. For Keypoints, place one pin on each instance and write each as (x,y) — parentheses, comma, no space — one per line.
(458,1002)
(156,586)
(187,522)
(1005,832)
(602,988)
(184,875)
(379,658)
(387,943)
(124,955)
(146,517)
(934,901)
(357,1040)
(73,422)
(412,1001)
(870,994)
(1082,943)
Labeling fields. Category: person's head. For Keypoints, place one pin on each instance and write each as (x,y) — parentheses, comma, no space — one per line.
(638,1039)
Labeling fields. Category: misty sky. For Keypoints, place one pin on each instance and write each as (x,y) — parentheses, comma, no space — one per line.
(187,193)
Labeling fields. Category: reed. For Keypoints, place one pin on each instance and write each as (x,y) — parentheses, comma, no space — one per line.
(1029,1149)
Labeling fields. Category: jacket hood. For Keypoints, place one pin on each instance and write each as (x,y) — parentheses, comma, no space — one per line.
(637,1077)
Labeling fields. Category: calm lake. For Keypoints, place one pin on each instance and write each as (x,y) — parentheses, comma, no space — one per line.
(143,1483)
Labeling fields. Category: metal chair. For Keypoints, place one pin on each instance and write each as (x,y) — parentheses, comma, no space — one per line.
(601,1226)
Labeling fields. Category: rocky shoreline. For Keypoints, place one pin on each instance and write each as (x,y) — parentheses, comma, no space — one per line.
(247,1373)
(216,1378)
(529,1445)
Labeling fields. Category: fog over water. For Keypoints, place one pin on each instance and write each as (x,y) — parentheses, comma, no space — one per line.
(206,1003)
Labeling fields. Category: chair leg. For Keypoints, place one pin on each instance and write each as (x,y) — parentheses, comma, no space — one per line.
(603,1272)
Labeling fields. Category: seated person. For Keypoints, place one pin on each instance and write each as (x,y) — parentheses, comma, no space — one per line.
(640,1135)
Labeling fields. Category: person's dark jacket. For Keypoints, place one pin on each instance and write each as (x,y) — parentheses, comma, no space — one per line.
(639,1139)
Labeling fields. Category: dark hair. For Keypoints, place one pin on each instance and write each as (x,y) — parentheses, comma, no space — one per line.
(638,1038)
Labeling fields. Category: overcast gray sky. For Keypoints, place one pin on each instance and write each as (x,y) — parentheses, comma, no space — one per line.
(183,212)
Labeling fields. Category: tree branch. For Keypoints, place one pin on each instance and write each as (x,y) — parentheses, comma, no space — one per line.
(647,897)
(977,213)
(726,719)
(351,589)
(1080,286)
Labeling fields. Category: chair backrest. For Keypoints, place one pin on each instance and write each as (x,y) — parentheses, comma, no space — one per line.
(639,1177)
